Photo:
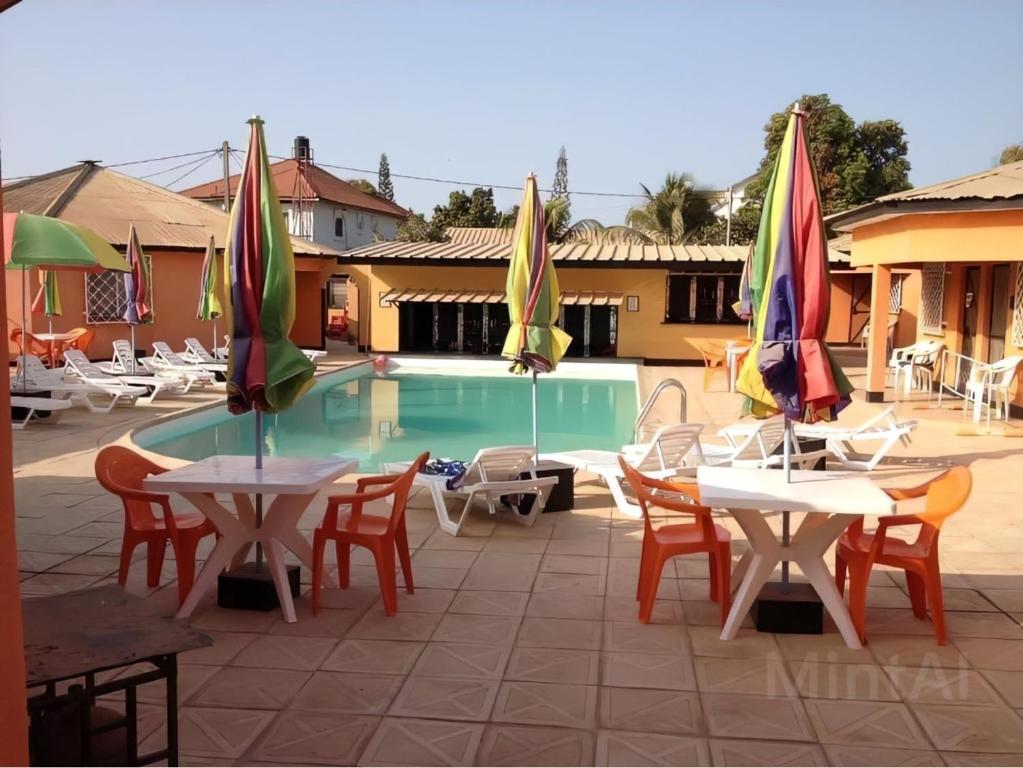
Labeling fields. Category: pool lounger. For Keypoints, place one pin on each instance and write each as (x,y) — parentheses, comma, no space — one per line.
(36,405)
(492,474)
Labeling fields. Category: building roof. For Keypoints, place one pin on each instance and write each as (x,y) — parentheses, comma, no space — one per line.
(108,202)
(444,296)
(316,183)
(484,249)
(480,235)
(993,189)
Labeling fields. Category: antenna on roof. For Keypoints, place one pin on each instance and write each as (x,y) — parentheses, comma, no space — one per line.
(90,162)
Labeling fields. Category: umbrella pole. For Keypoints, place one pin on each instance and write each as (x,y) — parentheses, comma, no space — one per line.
(214,350)
(132,349)
(536,434)
(259,496)
(24,333)
(787,462)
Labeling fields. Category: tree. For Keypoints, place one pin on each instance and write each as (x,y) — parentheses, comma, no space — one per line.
(384,185)
(673,214)
(363,186)
(416,229)
(1011,154)
(559,191)
(476,209)
(855,163)
(745,224)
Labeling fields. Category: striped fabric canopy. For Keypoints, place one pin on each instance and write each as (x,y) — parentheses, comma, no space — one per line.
(209,302)
(790,368)
(533,341)
(138,284)
(47,301)
(265,370)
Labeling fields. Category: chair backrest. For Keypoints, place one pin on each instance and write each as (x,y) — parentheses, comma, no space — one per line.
(946,495)
(121,471)
(711,350)
(80,365)
(401,489)
(123,354)
(164,352)
(646,489)
(500,463)
(81,339)
(196,348)
(1004,371)
(669,447)
(762,441)
(35,346)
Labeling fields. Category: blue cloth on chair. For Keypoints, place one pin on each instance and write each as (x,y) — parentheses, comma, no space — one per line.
(452,469)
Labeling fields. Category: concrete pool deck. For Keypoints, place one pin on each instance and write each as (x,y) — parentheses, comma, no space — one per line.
(521,646)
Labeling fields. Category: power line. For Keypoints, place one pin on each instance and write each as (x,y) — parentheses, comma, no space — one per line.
(157,159)
(198,165)
(175,167)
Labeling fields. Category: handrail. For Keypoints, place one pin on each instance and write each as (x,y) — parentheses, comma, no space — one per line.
(649,404)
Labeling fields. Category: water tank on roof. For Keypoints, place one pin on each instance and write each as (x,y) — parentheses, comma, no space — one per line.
(302,148)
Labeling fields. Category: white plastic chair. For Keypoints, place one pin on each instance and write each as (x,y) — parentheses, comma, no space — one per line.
(166,360)
(140,374)
(989,383)
(120,390)
(841,440)
(916,365)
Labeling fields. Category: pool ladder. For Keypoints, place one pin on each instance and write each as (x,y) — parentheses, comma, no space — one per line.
(649,404)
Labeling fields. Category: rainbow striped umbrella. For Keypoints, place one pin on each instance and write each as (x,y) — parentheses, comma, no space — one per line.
(138,289)
(209,302)
(534,301)
(790,369)
(266,372)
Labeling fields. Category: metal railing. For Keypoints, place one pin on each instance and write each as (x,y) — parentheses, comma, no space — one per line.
(649,404)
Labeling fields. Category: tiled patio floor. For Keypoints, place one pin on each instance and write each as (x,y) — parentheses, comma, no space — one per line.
(521,646)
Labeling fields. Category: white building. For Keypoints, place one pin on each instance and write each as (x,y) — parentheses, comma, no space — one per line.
(320,207)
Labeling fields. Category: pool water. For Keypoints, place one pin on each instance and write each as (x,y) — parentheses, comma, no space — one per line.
(395,417)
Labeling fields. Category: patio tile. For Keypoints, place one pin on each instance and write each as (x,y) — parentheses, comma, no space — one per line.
(301,738)
(578,564)
(471,628)
(503,572)
(633,637)
(87,565)
(444,699)
(347,692)
(974,624)
(621,748)
(191,677)
(329,622)
(213,732)
(570,706)
(437,558)
(740,752)
(401,626)
(462,660)
(249,688)
(568,585)
(514,745)
(865,723)
(355,598)
(284,652)
(37,562)
(899,651)
(983,759)
(408,741)
(934,685)
(585,547)
(60,545)
(896,621)
(857,756)
(553,605)
(762,677)
(46,584)
(1009,600)
(828,648)
(860,682)
(560,633)
(706,641)
(969,600)
(957,727)
(525,546)
(1009,685)
(986,653)
(546,665)
(644,670)
(440,540)
(234,621)
(643,709)
(489,603)
(385,657)
(421,601)
(437,578)
(756,717)
(226,645)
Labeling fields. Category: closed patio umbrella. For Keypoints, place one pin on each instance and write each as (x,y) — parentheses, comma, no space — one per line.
(266,372)
(533,342)
(789,368)
(138,289)
(209,302)
(47,300)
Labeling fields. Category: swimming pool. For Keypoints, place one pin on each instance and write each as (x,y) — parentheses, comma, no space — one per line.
(398,415)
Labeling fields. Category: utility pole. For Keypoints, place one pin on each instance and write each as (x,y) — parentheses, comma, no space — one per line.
(225,150)
(728,219)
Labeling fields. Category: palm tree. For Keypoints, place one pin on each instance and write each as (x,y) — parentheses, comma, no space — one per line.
(557,215)
(671,215)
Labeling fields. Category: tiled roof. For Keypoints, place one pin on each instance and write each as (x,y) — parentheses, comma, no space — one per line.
(316,183)
(109,202)
(1001,183)
(480,235)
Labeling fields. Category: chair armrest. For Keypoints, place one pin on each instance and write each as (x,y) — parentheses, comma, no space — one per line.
(914,492)
(366,482)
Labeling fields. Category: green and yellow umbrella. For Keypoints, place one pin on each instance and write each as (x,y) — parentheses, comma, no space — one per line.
(47,300)
(209,303)
(534,343)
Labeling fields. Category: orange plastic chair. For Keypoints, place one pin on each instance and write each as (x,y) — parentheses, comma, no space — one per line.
(380,535)
(81,340)
(713,353)
(858,551)
(667,541)
(36,347)
(121,471)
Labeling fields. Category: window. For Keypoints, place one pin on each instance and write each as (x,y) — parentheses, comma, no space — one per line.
(105,297)
(1017,309)
(360,220)
(702,299)
(338,294)
(932,298)
(895,294)
(339,226)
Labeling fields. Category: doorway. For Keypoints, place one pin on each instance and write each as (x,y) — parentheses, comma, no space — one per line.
(997,320)
(971,312)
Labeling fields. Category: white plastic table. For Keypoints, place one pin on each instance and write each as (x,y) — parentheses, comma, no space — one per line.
(832,500)
(292,482)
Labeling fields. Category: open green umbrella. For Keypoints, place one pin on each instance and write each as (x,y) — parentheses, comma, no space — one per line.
(534,301)
(47,300)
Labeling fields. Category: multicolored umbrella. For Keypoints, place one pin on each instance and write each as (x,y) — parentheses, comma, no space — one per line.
(209,302)
(266,371)
(534,301)
(47,300)
(789,369)
(138,289)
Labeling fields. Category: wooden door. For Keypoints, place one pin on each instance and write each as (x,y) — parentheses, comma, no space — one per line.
(999,304)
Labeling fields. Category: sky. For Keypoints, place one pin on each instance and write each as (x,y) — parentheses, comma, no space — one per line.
(489,91)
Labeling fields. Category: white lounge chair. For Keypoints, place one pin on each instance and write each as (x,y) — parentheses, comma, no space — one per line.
(314,354)
(492,474)
(166,360)
(842,441)
(674,450)
(756,443)
(195,352)
(36,405)
(98,397)
(140,374)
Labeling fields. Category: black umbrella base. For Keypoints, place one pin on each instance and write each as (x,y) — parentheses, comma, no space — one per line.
(789,609)
(249,589)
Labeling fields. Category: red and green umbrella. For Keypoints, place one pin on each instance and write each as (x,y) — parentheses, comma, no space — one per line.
(138,284)
(266,371)
(47,300)
(209,302)
(790,369)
